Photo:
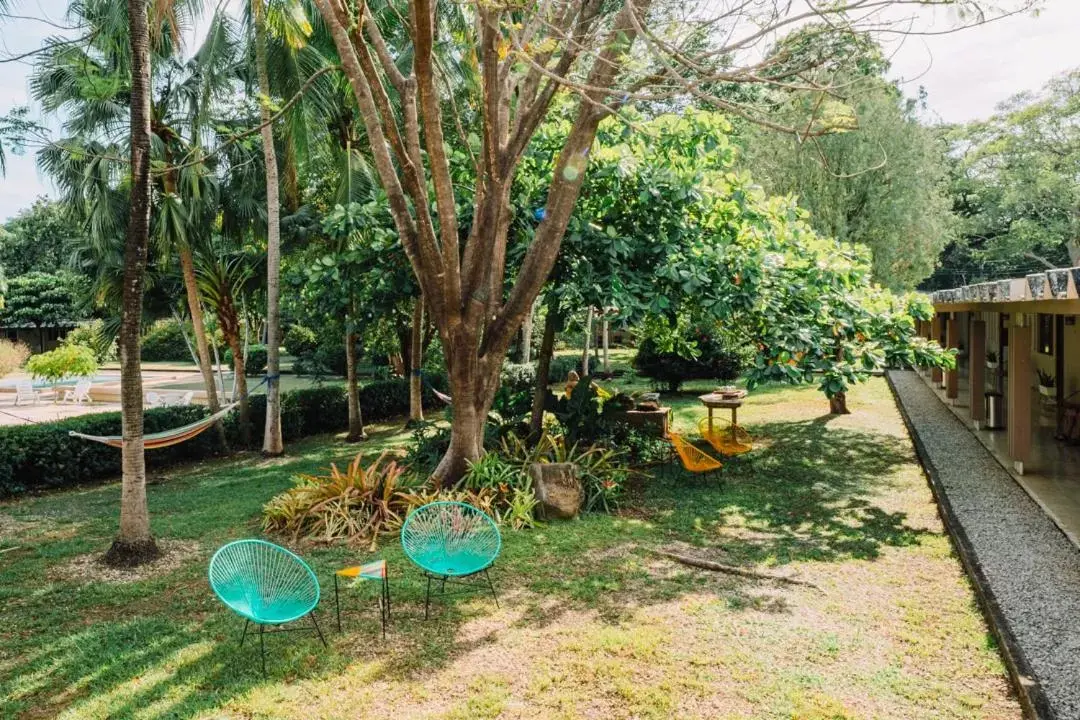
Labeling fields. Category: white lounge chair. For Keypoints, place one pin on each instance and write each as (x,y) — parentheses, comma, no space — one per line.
(187,398)
(25,393)
(155,400)
(79,393)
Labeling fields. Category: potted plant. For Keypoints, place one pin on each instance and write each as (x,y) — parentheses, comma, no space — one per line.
(1046,384)
(991,360)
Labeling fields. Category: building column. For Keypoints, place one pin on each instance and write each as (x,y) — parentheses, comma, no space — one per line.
(1019,421)
(935,335)
(976,368)
(952,341)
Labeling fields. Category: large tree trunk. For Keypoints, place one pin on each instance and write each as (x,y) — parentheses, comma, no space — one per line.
(272,442)
(352,389)
(462,282)
(198,328)
(416,363)
(134,544)
(473,391)
(543,369)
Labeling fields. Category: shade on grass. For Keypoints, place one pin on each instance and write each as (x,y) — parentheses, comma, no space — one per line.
(593,625)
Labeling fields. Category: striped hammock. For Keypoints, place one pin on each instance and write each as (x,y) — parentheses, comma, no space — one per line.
(163,439)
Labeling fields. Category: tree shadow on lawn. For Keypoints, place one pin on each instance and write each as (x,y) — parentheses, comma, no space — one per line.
(166,648)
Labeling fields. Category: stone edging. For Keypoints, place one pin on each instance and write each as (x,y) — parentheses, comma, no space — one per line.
(1028,689)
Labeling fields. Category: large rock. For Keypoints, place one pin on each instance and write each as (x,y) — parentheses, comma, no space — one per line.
(557,488)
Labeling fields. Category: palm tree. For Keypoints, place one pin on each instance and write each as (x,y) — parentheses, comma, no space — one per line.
(88,84)
(134,544)
(224,272)
(272,441)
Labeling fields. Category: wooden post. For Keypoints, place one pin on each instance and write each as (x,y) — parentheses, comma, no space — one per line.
(1019,392)
(935,335)
(952,377)
(976,376)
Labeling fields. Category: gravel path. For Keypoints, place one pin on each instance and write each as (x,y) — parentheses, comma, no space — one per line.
(1028,570)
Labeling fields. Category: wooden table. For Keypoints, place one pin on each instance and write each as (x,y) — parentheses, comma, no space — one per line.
(724,402)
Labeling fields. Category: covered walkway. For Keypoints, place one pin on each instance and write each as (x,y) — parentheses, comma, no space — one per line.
(1027,570)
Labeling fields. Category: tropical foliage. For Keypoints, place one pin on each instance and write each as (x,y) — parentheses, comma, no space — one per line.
(66,361)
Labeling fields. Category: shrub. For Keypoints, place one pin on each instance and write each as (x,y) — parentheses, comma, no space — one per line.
(602,471)
(12,356)
(300,341)
(358,504)
(717,360)
(514,396)
(256,360)
(428,445)
(43,456)
(164,342)
(92,335)
(65,361)
(560,367)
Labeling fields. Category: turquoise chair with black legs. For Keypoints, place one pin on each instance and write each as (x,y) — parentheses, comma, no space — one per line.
(451,542)
(266,585)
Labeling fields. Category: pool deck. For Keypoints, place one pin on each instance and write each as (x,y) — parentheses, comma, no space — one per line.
(105,397)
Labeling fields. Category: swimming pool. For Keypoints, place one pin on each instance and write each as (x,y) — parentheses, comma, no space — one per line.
(40,384)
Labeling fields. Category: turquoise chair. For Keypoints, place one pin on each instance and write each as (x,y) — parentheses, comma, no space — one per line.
(265,584)
(451,541)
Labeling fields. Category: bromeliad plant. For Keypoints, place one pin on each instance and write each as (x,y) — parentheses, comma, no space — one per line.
(510,490)
(356,505)
(602,471)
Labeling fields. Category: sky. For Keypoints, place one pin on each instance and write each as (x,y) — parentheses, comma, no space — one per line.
(965,74)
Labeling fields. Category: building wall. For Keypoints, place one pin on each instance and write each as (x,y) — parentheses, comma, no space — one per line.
(1072,357)
(33,339)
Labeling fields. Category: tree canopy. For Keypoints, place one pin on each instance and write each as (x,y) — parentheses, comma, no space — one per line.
(881,181)
(38,238)
(1016,187)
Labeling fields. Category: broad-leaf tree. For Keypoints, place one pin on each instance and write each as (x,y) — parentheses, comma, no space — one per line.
(606,55)
(42,300)
(1016,187)
(882,183)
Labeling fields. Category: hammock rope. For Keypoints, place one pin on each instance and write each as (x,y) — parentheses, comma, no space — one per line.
(443,397)
(166,438)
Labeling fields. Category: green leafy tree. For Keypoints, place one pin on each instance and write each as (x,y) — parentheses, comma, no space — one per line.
(882,181)
(41,300)
(454,219)
(66,361)
(1016,186)
(37,238)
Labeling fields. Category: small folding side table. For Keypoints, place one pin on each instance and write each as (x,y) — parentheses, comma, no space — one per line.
(371,571)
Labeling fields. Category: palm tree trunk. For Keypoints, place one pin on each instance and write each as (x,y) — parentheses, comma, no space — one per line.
(198,329)
(272,442)
(416,362)
(356,418)
(240,390)
(134,544)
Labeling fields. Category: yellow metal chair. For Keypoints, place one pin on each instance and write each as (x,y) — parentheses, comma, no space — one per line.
(693,459)
(725,438)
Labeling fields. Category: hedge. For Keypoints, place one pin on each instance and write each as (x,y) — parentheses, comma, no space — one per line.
(43,456)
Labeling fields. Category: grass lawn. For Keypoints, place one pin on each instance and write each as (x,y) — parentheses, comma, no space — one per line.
(593,624)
